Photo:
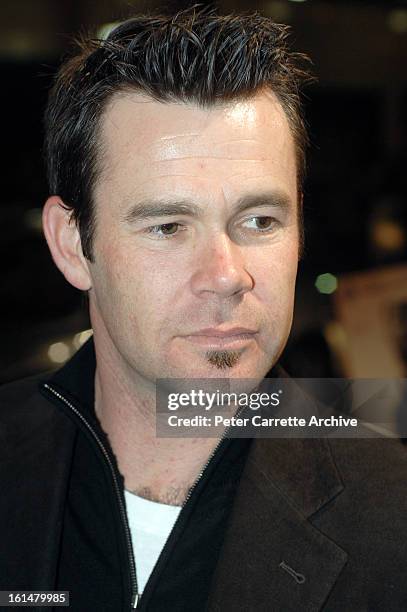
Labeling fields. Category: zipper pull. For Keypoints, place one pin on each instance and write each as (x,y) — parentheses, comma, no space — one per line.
(135,601)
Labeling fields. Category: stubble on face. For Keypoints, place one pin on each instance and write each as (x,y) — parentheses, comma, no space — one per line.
(223,359)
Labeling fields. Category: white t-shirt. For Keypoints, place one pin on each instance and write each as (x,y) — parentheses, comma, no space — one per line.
(150,525)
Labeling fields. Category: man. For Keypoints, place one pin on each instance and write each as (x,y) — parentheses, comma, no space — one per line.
(175,153)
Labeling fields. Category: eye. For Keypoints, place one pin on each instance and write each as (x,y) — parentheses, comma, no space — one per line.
(164,230)
(261,224)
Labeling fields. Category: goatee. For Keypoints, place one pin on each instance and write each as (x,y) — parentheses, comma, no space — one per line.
(223,359)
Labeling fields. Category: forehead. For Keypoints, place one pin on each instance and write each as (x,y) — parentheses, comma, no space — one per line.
(144,140)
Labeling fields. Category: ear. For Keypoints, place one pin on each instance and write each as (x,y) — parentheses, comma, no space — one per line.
(64,242)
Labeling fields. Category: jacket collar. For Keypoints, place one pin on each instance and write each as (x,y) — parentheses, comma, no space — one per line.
(77,378)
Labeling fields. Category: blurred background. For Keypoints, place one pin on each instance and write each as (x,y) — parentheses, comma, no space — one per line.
(351,310)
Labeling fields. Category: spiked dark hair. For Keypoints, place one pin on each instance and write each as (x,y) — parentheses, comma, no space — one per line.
(196,56)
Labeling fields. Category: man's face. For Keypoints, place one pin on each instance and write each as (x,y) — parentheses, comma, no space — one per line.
(196,234)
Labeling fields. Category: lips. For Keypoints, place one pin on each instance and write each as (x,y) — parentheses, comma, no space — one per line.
(216,338)
(216,332)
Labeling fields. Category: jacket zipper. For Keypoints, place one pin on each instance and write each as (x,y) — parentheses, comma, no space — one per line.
(197,480)
(132,564)
(135,597)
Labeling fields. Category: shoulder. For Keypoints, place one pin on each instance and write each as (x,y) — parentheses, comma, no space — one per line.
(372,507)
(22,388)
(371,461)
(22,392)
(23,407)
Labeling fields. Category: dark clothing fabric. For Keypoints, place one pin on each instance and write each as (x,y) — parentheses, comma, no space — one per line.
(275,525)
(89,561)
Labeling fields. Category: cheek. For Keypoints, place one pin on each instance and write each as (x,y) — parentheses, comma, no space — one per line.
(138,287)
(276,275)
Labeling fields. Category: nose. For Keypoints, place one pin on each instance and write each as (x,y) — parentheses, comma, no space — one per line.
(220,269)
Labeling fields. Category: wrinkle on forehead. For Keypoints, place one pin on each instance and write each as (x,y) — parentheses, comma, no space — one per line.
(233,150)
(189,135)
(210,157)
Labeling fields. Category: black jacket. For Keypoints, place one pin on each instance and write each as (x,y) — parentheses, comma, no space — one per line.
(315,524)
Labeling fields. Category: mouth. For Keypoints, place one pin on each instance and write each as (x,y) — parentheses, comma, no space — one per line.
(216,338)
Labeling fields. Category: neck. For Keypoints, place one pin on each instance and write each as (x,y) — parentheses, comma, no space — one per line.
(159,469)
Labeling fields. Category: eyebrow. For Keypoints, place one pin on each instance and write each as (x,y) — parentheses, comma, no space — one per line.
(148,209)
